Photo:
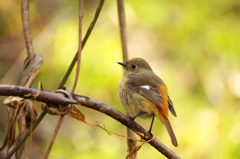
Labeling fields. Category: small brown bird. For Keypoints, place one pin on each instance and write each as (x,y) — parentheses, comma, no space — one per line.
(144,94)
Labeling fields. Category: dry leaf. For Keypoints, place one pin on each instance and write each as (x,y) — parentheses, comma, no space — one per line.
(30,71)
(77,114)
(31,112)
(13,101)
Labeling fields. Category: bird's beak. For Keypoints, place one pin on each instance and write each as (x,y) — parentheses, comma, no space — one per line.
(123,64)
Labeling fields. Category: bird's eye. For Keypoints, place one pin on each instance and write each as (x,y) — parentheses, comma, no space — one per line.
(134,66)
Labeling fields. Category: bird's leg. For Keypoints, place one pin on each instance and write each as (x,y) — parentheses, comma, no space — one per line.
(151,126)
(134,117)
(132,120)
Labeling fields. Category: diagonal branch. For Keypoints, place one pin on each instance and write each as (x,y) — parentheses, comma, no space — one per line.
(43,96)
(54,136)
(117,115)
(42,115)
(90,28)
(75,80)
(24,138)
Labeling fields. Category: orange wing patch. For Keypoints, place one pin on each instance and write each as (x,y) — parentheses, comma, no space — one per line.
(163,90)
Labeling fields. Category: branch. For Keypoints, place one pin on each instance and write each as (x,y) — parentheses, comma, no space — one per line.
(123,30)
(26,29)
(24,138)
(28,41)
(57,98)
(90,28)
(54,136)
(29,93)
(117,115)
(79,53)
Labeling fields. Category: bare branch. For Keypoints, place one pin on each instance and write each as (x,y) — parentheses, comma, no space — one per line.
(87,102)
(75,80)
(54,136)
(90,28)
(24,138)
(43,96)
(79,46)
(123,29)
(117,115)
(123,32)
(56,98)
(26,29)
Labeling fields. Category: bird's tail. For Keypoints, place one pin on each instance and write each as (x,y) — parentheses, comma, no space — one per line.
(170,130)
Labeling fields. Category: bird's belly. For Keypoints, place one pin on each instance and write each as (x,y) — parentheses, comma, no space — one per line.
(135,104)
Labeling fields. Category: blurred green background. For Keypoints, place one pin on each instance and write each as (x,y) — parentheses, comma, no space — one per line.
(193,45)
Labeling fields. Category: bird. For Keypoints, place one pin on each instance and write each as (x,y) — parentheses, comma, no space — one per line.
(144,94)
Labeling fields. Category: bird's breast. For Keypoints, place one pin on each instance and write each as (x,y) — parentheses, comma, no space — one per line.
(135,103)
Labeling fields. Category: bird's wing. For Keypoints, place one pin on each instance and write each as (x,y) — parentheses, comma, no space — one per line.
(148,92)
(171,108)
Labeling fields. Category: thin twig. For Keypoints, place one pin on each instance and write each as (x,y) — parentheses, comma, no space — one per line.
(79,46)
(27,79)
(42,115)
(54,136)
(123,29)
(123,32)
(26,29)
(75,80)
(90,28)
(29,131)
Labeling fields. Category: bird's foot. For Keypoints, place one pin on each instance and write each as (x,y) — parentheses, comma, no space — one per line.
(132,124)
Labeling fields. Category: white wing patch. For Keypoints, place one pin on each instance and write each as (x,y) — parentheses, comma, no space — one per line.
(146,87)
